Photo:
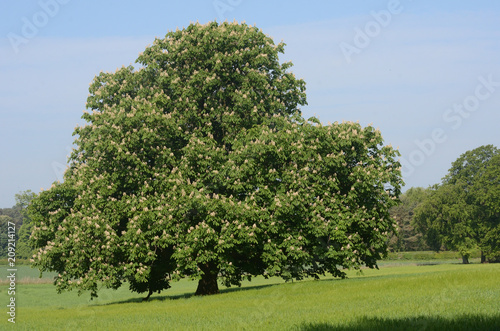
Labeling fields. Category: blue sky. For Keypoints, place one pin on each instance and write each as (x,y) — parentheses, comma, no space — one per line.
(426,73)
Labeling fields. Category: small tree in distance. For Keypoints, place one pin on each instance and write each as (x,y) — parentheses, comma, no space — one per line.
(199,164)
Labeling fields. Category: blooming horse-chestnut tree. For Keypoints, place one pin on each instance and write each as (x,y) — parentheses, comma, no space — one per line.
(199,164)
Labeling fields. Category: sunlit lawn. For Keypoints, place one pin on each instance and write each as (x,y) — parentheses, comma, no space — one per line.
(404,297)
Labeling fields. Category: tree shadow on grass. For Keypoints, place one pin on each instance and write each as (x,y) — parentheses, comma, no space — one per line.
(464,322)
(188,295)
(156,297)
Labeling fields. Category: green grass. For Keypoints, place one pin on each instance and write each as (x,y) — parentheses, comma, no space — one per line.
(431,255)
(405,297)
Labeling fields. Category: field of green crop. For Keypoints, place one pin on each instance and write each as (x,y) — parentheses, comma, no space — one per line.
(399,296)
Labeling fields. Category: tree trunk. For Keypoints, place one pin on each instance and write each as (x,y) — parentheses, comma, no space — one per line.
(149,294)
(465,259)
(483,258)
(207,285)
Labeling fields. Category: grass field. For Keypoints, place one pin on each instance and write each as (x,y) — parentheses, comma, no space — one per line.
(402,295)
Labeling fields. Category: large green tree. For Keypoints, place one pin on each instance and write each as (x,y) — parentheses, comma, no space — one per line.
(199,164)
(487,194)
(460,213)
(469,166)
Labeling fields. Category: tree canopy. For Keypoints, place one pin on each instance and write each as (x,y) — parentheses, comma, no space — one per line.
(199,164)
(462,212)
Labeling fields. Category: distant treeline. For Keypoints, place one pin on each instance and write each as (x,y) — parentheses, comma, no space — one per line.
(17,215)
(462,213)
